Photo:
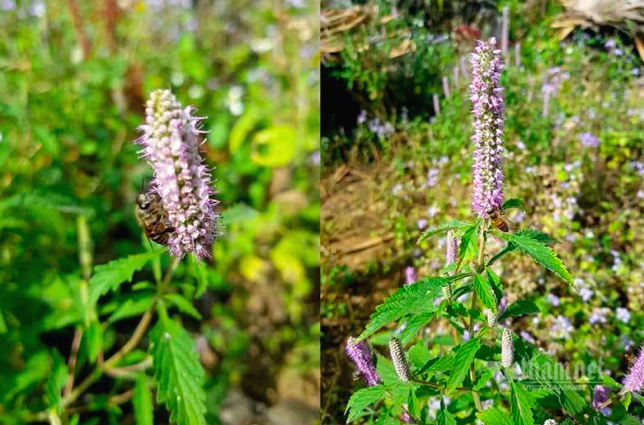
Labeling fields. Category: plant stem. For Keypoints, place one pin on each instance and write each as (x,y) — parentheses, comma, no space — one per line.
(481,256)
(71,364)
(131,343)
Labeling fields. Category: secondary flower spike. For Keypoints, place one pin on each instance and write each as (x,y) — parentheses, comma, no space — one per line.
(170,143)
(635,379)
(486,95)
(507,348)
(362,358)
(399,360)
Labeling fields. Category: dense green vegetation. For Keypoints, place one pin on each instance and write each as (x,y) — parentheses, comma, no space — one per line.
(576,163)
(76,272)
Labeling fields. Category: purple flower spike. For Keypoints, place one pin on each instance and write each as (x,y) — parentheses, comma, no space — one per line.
(635,379)
(486,95)
(362,358)
(601,395)
(170,143)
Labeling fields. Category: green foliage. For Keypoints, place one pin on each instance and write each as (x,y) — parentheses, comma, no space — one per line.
(467,247)
(485,292)
(522,403)
(494,416)
(363,398)
(55,382)
(540,253)
(408,299)
(446,418)
(142,401)
(178,373)
(586,198)
(464,358)
(75,78)
(444,227)
(110,276)
(520,308)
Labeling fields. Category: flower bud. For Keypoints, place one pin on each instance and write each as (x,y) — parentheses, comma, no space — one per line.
(491,318)
(399,360)
(507,348)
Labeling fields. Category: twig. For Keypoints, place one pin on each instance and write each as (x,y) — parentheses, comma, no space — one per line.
(71,364)
(134,339)
(128,371)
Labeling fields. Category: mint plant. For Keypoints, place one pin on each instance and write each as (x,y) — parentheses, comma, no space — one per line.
(489,374)
(163,361)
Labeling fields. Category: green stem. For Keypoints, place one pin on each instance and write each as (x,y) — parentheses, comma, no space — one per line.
(134,340)
(480,263)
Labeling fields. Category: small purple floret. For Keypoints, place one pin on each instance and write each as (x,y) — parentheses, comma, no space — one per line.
(170,143)
(486,95)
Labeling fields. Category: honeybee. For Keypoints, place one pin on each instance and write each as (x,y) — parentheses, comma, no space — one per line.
(153,218)
(496,215)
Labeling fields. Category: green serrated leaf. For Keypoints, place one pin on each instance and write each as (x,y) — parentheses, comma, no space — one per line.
(522,403)
(486,375)
(445,418)
(538,236)
(418,355)
(386,370)
(178,373)
(408,299)
(462,361)
(414,326)
(450,225)
(412,403)
(363,398)
(183,305)
(495,282)
(110,276)
(529,233)
(621,416)
(135,305)
(469,242)
(512,203)
(541,369)
(485,292)
(55,382)
(540,253)
(520,308)
(494,416)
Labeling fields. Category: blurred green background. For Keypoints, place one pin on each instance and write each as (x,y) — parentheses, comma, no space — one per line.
(74,76)
(394,165)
